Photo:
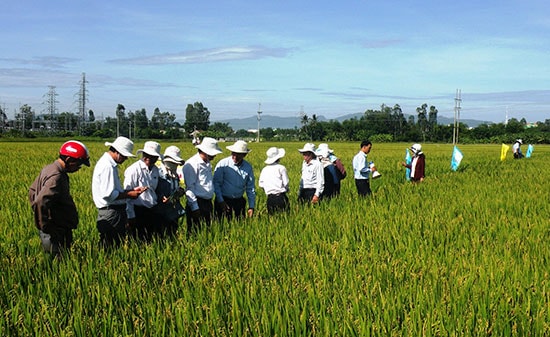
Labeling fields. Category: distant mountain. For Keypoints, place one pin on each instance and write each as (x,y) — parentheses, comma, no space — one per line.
(275,122)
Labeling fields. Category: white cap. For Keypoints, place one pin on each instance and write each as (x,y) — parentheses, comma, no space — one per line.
(209,146)
(151,148)
(416,148)
(273,154)
(308,147)
(240,146)
(122,145)
(172,154)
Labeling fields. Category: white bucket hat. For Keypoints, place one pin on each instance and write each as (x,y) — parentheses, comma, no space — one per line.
(324,146)
(240,146)
(123,145)
(308,147)
(172,154)
(151,148)
(209,146)
(273,154)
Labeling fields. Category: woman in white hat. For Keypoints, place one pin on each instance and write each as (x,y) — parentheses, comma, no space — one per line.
(274,181)
(199,185)
(312,182)
(418,163)
(233,177)
(142,213)
(169,190)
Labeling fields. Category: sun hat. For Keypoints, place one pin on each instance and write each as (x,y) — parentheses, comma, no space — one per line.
(308,147)
(151,148)
(416,148)
(520,141)
(273,154)
(172,154)
(209,146)
(324,146)
(240,146)
(122,145)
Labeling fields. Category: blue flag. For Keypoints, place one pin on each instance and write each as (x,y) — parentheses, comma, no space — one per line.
(456,158)
(408,160)
(529,151)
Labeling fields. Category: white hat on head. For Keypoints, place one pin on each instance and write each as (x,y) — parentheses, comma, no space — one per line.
(520,141)
(209,146)
(416,148)
(240,146)
(151,148)
(172,154)
(308,147)
(122,145)
(324,146)
(274,154)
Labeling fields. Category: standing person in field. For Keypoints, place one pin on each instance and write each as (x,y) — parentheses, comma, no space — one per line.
(143,219)
(362,169)
(312,182)
(55,213)
(108,194)
(274,180)
(340,172)
(169,191)
(418,163)
(199,185)
(516,149)
(233,177)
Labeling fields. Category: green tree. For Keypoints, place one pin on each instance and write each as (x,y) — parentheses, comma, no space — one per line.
(197,117)
(422,121)
(24,118)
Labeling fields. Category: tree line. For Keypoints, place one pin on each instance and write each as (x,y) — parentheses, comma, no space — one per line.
(388,124)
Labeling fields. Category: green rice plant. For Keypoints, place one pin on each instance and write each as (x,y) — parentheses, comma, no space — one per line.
(464,253)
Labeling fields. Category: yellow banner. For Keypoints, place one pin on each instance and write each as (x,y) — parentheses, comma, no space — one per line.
(503,150)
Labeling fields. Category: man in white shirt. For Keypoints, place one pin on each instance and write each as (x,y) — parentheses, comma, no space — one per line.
(143,218)
(362,169)
(274,181)
(312,183)
(199,186)
(108,194)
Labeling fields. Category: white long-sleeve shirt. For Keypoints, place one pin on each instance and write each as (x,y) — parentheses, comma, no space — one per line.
(313,176)
(139,174)
(274,179)
(106,185)
(199,182)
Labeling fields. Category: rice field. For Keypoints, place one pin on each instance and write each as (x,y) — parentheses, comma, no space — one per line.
(465,253)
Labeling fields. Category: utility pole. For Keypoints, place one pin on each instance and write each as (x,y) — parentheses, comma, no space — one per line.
(259,118)
(82,98)
(456,126)
(51,108)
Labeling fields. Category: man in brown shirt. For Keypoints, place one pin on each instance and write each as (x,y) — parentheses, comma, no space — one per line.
(55,213)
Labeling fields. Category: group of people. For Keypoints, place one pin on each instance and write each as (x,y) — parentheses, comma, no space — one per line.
(147,202)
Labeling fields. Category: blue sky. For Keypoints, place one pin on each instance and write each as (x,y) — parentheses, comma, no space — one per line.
(329,58)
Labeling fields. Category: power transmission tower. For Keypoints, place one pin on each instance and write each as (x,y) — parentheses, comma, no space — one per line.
(82,99)
(456,126)
(259,118)
(51,107)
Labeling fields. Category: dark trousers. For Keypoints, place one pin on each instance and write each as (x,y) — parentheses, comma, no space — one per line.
(148,223)
(305,195)
(195,221)
(277,203)
(111,225)
(57,242)
(363,187)
(236,208)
